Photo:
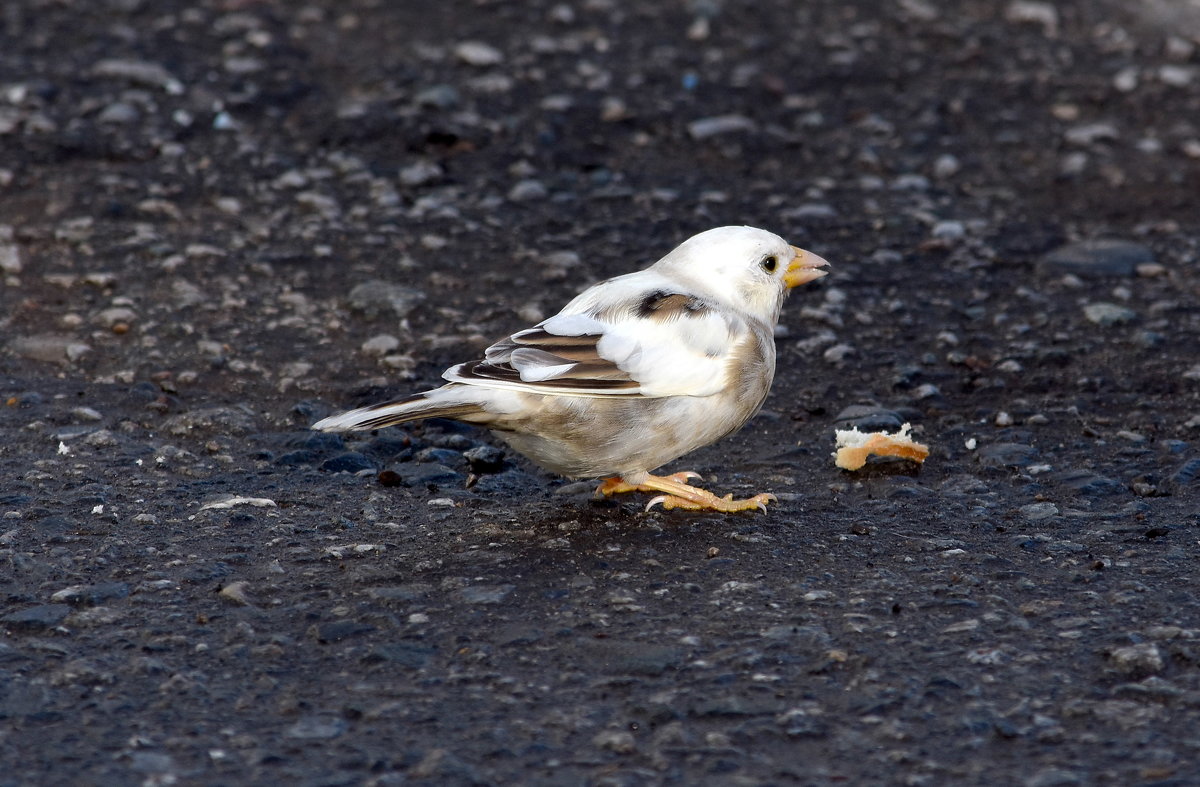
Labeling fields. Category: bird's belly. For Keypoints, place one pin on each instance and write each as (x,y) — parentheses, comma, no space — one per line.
(596,438)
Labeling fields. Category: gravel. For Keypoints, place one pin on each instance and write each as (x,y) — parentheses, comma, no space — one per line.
(220,222)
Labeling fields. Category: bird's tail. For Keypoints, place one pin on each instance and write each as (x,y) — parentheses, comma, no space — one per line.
(411,408)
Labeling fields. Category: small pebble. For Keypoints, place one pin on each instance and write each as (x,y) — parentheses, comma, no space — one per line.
(380,344)
(376,299)
(10,258)
(1089,134)
(528,191)
(838,353)
(946,166)
(420,173)
(706,128)
(619,741)
(1007,455)
(1139,660)
(949,230)
(1097,258)
(1039,512)
(1176,76)
(1043,14)
(867,418)
(477,53)
(1108,314)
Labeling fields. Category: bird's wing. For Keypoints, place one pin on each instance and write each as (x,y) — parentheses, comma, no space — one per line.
(621,338)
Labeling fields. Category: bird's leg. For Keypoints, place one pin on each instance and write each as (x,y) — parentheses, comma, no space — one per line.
(680,494)
(617,485)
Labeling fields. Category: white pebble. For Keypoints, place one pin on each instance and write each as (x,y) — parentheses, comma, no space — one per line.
(1038,13)
(527,190)
(10,258)
(1176,76)
(705,128)
(1126,80)
(380,345)
(949,230)
(838,353)
(927,391)
(946,166)
(477,53)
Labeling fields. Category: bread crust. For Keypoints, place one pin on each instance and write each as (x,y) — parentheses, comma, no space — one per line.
(853,447)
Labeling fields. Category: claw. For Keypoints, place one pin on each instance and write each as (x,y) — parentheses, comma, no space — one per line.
(679,494)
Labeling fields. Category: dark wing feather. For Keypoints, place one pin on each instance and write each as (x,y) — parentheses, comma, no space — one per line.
(562,354)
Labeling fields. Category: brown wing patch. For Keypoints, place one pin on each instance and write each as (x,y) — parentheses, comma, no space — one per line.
(588,368)
(584,377)
(664,306)
(580,348)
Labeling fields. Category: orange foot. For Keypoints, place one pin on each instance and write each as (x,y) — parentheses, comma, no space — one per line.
(680,494)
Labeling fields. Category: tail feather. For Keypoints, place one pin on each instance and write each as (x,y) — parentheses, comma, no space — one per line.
(410,408)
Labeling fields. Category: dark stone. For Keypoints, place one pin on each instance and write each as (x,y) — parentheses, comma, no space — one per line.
(1085,482)
(907,377)
(736,705)
(349,462)
(423,475)
(486,594)
(453,435)
(485,459)
(22,700)
(1007,455)
(622,657)
(342,629)
(87,595)
(324,442)
(389,448)
(1097,258)
(34,619)
(511,483)
(790,637)
(389,478)
(144,391)
(869,419)
(309,411)
(806,726)
(402,593)
(206,572)
(53,526)
(1187,473)
(517,634)
(405,654)
(315,728)
(211,420)
(302,457)
(443,456)
(1149,339)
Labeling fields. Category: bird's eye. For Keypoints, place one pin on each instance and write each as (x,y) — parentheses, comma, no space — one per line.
(769,264)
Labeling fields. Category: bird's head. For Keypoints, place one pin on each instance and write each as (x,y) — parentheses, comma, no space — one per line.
(747,268)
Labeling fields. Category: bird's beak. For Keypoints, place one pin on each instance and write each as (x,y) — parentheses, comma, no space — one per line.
(805,267)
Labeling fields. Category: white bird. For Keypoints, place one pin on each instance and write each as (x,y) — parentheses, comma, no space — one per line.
(634,372)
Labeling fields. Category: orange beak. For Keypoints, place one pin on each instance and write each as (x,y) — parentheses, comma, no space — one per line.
(805,267)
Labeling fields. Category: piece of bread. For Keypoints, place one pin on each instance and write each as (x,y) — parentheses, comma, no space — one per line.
(853,446)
